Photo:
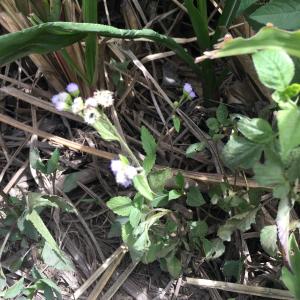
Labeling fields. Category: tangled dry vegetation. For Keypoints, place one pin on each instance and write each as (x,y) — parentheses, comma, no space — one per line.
(144,77)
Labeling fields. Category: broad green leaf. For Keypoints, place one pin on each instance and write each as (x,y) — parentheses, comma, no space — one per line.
(53,36)
(245,4)
(51,258)
(173,266)
(268,239)
(70,182)
(213,124)
(61,203)
(15,289)
(290,92)
(233,268)
(283,14)
(53,162)
(266,38)
(222,113)
(148,141)
(39,225)
(36,200)
(194,148)
(105,128)
(176,123)
(135,217)
(271,174)
(173,194)
(256,130)
(179,179)
(198,229)
(241,221)
(149,163)
(120,205)
(150,255)
(213,248)
(275,68)
(289,129)
(141,184)
(35,160)
(194,197)
(55,10)
(241,153)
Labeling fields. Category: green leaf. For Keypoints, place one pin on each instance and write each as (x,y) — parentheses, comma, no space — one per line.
(194,197)
(176,123)
(232,268)
(241,221)
(213,124)
(290,92)
(51,258)
(39,225)
(289,129)
(173,266)
(53,36)
(266,38)
(179,178)
(245,4)
(173,194)
(271,174)
(148,141)
(105,128)
(241,153)
(256,130)
(55,10)
(275,68)
(194,148)
(149,162)
(222,113)
(14,290)
(35,160)
(53,162)
(213,248)
(268,239)
(198,229)
(70,182)
(2,280)
(283,14)
(90,11)
(291,279)
(141,184)
(158,179)
(135,217)
(120,205)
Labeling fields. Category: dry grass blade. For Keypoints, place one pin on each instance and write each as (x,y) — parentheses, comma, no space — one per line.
(240,288)
(119,252)
(105,278)
(121,279)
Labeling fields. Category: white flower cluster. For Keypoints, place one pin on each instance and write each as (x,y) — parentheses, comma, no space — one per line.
(88,108)
(123,172)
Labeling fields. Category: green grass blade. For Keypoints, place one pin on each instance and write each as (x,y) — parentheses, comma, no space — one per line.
(55,10)
(229,13)
(198,16)
(90,9)
(266,38)
(52,36)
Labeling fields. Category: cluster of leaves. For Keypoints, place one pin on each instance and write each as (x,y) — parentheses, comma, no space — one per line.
(23,224)
(272,152)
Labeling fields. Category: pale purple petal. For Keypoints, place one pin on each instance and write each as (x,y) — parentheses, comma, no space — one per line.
(63,96)
(187,88)
(122,179)
(60,106)
(192,95)
(72,88)
(55,99)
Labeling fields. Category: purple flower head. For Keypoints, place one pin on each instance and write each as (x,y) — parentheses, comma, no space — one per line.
(55,99)
(123,172)
(73,89)
(188,90)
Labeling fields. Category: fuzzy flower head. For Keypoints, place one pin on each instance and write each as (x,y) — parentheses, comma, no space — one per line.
(91,102)
(188,91)
(104,98)
(90,115)
(123,172)
(77,105)
(62,101)
(73,89)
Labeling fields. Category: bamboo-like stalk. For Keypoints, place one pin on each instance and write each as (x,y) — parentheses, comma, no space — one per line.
(240,288)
